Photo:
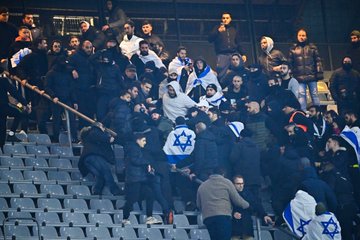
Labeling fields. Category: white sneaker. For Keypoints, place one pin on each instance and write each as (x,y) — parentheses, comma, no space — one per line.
(22,132)
(152,220)
(126,222)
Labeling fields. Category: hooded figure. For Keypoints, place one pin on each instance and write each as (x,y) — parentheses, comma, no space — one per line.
(270,59)
(175,102)
(199,79)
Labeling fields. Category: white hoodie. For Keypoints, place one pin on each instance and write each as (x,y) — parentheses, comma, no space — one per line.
(177,106)
(129,47)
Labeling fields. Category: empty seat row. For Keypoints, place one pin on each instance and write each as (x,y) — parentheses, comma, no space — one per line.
(51,189)
(39,175)
(106,233)
(37,150)
(16,162)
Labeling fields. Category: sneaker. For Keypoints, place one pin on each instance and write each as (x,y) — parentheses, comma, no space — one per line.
(22,132)
(126,222)
(152,220)
(12,138)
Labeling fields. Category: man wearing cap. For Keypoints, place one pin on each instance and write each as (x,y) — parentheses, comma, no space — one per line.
(130,75)
(130,43)
(8,33)
(354,49)
(161,122)
(90,33)
(215,98)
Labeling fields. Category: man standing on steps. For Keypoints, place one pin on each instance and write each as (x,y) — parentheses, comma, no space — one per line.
(214,199)
(226,42)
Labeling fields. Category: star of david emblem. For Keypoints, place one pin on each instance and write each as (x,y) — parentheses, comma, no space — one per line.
(303,223)
(182,140)
(328,231)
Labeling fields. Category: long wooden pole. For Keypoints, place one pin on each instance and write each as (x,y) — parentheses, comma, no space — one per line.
(61,104)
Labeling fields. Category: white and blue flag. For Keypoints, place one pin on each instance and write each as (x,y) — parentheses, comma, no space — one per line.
(179,144)
(325,227)
(352,136)
(299,213)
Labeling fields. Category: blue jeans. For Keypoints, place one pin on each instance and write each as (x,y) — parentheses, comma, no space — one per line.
(313,93)
(98,166)
(219,227)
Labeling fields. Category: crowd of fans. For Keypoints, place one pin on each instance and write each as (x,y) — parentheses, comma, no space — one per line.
(252,121)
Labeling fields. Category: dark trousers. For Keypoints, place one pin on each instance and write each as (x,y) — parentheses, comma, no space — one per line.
(133,193)
(219,227)
(18,117)
(100,168)
(43,113)
(87,105)
(155,183)
(57,120)
(346,214)
(102,105)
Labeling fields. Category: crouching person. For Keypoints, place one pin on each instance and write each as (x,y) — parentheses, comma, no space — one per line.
(96,158)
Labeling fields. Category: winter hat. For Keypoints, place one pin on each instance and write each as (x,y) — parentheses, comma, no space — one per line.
(180,121)
(156,110)
(292,102)
(213,86)
(236,128)
(150,65)
(131,67)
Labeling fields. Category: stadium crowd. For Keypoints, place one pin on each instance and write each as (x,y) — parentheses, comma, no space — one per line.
(180,121)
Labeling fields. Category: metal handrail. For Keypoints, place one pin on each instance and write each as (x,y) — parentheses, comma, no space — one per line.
(61,104)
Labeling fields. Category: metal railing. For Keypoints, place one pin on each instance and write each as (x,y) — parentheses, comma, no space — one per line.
(61,104)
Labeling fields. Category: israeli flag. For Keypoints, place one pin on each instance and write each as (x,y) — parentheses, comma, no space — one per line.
(352,136)
(179,144)
(325,226)
(299,213)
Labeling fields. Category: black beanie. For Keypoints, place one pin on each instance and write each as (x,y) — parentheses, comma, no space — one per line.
(213,86)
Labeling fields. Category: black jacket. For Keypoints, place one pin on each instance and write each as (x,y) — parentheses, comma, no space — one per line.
(8,34)
(233,71)
(96,142)
(34,66)
(86,70)
(96,37)
(345,85)
(59,83)
(318,189)
(305,62)
(5,87)
(135,164)
(226,42)
(119,116)
(205,152)
(109,79)
(245,157)
(271,60)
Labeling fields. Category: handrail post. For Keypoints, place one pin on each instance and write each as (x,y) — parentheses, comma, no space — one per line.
(258,228)
(68,128)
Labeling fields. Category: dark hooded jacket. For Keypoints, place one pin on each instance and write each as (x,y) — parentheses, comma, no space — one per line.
(82,63)
(205,152)
(245,157)
(96,142)
(318,189)
(135,163)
